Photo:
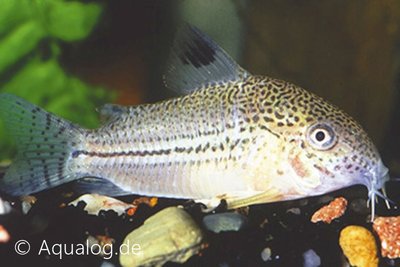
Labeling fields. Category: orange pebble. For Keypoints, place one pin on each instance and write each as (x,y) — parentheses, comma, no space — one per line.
(333,210)
(4,235)
(131,211)
(388,230)
(153,201)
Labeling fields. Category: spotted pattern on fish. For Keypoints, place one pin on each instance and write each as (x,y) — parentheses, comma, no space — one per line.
(245,138)
(258,103)
(220,127)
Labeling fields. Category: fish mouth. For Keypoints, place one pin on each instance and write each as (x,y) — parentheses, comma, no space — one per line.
(375,180)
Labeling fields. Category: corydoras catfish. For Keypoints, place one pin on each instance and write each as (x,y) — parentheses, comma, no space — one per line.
(244,138)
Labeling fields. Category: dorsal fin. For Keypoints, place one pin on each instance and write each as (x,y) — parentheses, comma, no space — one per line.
(196,61)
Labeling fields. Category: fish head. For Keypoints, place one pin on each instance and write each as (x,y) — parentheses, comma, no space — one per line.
(342,154)
(339,153)
(326,149)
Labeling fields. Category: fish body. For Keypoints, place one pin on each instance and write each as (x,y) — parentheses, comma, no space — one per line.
(245,138)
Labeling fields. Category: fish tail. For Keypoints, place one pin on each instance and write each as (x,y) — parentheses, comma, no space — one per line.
(44,146)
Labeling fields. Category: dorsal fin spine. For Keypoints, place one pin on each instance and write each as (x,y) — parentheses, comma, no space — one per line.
(196,62)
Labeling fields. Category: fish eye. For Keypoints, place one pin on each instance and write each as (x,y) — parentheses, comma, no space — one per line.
(321,136)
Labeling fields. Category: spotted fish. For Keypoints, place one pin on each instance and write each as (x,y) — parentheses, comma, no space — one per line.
(232,135)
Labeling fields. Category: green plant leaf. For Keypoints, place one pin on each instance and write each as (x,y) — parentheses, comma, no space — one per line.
(19,43)
(71,21)
(47,85)
(37,78)
(13,13)
(25,23)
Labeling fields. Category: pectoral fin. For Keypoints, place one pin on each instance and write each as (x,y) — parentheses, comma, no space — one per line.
(243,199)
(271,195)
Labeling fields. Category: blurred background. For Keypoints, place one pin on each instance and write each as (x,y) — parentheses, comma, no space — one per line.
(73,56)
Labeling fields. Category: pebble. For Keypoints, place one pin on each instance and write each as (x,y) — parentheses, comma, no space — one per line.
(223,222)
(5,207)
(169,235)
(107,264)
(311,259)
(388,230)
(359,247)
(266,254)
(295,211)
(333,210)
(4,235)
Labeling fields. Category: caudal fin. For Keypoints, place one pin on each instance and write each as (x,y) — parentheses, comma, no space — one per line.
(44,144)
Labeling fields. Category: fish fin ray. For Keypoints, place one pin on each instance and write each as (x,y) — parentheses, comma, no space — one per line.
(242,199)
(89,185)
(267,196)
(197,61)
(44,144)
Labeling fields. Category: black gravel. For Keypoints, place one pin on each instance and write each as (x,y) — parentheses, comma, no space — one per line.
(280,227)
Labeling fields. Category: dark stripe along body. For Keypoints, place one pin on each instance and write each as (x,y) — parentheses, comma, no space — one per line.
(238,137)
(248,139)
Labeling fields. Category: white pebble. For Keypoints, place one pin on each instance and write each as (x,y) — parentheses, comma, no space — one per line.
(5,207)
(107,264)
(295,211)
(222,222)
(266,254)
(311,259)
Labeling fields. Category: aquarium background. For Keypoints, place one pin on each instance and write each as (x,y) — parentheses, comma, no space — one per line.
(71,57)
